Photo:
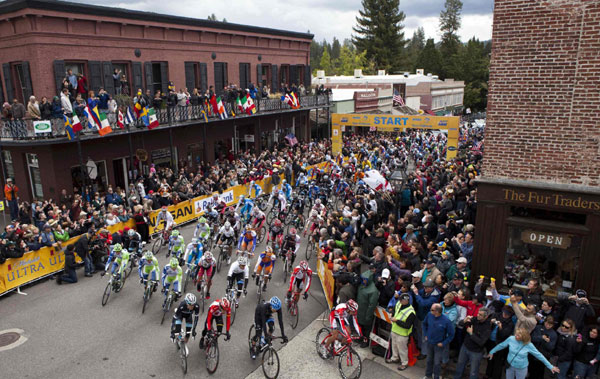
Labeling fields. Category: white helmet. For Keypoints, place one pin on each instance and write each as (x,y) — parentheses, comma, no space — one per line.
(190,298)
(318,201)
(313,213)
(131,232)
(242,261)
(242,197)
(227,225)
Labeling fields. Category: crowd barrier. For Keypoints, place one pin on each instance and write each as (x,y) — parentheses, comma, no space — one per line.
(36,265)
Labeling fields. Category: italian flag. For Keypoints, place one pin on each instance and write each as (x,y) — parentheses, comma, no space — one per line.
(221,109)
(104,128)
(153,121)
(239,104)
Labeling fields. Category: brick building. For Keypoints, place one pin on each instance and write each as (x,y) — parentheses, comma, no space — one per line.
(538,212)
(41,39)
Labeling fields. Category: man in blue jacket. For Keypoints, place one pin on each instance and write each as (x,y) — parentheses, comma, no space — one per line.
(425,298)
(438,331)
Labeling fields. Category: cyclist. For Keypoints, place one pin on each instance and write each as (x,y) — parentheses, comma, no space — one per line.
(217,202)
(281,197)
(264,265)
(291,242)
(117,260)
(166,216)
(264,322)
(186,310)
(256,188)
(176,244)
(237,271)
(300,279)
(318,207)
(202,230)
(247,241)
(302,180)
(211,214)
(314,222)
(276,233)
(206,265)
(215,311)
(258,218)
(193,252)
(132,242)
(245,207)
(340,318)
(286,188)
(148,268)
(313,191)
(172,274)
(226,236)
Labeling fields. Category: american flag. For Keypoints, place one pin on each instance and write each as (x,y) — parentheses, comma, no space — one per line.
(291,139)
(398,99)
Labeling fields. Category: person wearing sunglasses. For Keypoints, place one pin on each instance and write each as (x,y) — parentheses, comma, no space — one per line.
(566,346)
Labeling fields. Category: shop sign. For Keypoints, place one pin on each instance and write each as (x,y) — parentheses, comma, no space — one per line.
(550,199)
(142,155)
(561,241)
(249,137)
(161,154)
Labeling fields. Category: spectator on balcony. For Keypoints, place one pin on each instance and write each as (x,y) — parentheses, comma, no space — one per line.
(92,100)
(103,97)
(45,108)
(117,81)
(113,106)
(33,108)
(157,100)
(6,112)
(79,105)
(265,91)
(18,110)
(182,102)
(72,78)
(56,108)
(65,103)
(124,85)
(82,85)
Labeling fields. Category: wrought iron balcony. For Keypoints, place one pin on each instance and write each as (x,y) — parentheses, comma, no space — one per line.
(23,130)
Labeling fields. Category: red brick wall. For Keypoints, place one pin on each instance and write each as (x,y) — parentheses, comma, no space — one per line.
(544,102)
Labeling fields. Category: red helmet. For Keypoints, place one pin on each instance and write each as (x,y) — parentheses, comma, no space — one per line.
(351,305)
(277,222)
(304,265)
(225,304)
(292,230)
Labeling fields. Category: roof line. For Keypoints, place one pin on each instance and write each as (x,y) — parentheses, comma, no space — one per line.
(78,8)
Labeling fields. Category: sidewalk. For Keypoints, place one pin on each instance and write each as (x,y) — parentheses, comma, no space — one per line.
(299,360)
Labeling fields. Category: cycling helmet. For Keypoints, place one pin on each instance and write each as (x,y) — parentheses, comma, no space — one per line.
(175,233)
(351,305)
(194,240)
(190,299)
(242,261)
(292,231)
(174,262)
(163,208)
(442,245)
(283,181)
(208,256)
(131,232)
(227,225)
(277,222)
(304,265)
(325,177)
(117,247)
(148,255)
(275,303)
(202,220)
(242,197)
(225,304)
(318,201)
(314,213)
(269,249)
(215,195)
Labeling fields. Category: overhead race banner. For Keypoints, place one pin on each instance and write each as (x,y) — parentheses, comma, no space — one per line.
(393,123)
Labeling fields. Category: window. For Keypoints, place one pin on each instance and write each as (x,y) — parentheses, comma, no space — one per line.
(35,178)
(156,77)
(9,169)
(99,184)
(220,77)
(76,67)
(124,68)
(265,75)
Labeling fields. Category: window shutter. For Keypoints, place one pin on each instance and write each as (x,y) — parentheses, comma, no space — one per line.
(149,79)
(190,76)
(2,100)
(218,78)
(107,73)
(307,76)
(95,79)
(259,75)
(243,76)
(164,77)
(293,75)
(274,79)
(59,74)
(248,76)
(203,77)
(27,87)
(10,93)
(225,76)
(138,82)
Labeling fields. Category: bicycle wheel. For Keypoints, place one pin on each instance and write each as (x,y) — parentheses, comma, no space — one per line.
(212,357)
(166,308)
(106,293)
(156,245)
(349,364)
(221,259)
(233,311)
(270,363)
(309,249)
(186,277)
(322,335)
(262,204)
(183,357)
(285,269)
(270,216)
(147,293)
(250,344)
(294,312)
(263,234)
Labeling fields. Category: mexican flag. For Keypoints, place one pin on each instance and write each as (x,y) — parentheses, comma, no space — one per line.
(153,120)
(221,109)
(239,104)
(104,128)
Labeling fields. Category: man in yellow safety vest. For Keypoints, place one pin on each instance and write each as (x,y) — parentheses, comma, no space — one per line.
(402,325)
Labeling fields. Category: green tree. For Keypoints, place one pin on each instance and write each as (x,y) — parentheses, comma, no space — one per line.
(212,17)
(449,26)
(326,63)
(379,33)
(414,48)
(335,49)
(430,58)
(472,66)
(316,51)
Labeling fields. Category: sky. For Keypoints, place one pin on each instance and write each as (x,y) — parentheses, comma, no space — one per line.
(323,18)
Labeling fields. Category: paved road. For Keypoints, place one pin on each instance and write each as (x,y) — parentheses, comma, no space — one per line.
(70,335)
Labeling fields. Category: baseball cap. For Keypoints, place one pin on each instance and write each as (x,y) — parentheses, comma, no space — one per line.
(430,261)
(458,275)
(417,274)
(580,293)
(462,260)
(410,226)
(385,273)
(517,292)
(405,296)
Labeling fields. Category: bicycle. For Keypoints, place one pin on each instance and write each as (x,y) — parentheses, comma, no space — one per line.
(161,240)
(211,349)
(348,358)
(261,202)
(287,264)
(169,299)
(149,286)
(261,282)
(310,247)
(293,309)
(231,295)
(181,346)
(115,284)
(202,292)
(190,273)
(224,254)
(270,359)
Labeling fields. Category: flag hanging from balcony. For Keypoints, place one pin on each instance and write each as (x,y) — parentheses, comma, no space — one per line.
(295,100)
(69,128)
(249,105)
(104,125)
(76,124)
(129,117)
(213,105)
(238,102)
(93,118)
(203,113)
(148,117)
(291,139)
(221,109)
(291,100)
(138,109)
(120,120)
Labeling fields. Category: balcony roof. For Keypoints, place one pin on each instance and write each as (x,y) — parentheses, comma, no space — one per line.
(10,6)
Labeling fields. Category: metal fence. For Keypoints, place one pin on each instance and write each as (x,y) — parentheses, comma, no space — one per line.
(170,116)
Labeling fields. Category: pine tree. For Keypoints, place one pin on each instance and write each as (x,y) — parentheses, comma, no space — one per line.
(449,26)
(414,48)
(325,63)
(379,33)
(430,59)
(335,49)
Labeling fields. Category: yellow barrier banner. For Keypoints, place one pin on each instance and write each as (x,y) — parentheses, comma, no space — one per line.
(327,281)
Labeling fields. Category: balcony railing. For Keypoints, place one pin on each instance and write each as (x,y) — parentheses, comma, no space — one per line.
(170,116)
